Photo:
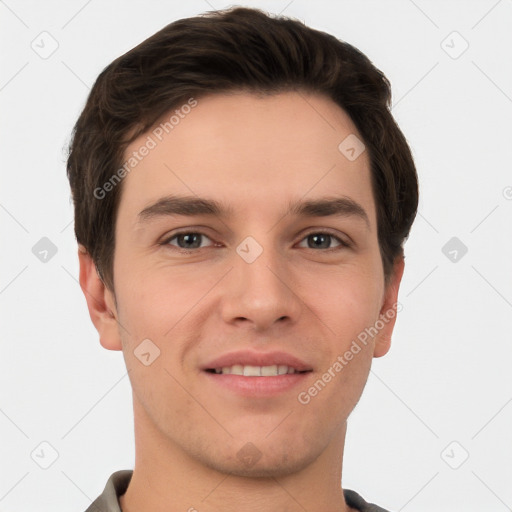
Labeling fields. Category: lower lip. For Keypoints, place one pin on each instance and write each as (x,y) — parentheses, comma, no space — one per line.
(258,386)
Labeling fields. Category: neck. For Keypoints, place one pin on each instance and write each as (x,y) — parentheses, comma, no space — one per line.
(166,478)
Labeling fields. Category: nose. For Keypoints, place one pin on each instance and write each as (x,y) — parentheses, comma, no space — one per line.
(260,294)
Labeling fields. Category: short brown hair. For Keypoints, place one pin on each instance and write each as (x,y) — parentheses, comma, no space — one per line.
(237,49)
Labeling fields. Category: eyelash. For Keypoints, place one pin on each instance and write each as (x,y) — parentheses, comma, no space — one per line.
(343,243)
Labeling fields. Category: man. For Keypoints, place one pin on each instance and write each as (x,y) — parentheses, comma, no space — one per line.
(242,195)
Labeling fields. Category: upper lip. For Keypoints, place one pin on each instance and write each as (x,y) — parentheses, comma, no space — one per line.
(251,358)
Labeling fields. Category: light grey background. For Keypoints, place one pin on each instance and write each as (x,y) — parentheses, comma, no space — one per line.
(443,392)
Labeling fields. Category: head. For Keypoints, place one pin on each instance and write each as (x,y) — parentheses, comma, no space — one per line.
(270,127)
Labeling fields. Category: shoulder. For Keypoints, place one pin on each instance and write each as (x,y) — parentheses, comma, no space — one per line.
(108,500)
(356,501)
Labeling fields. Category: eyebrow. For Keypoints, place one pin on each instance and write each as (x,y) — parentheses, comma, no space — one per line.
(195,206)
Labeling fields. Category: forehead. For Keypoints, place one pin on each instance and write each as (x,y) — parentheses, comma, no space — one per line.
(250,152)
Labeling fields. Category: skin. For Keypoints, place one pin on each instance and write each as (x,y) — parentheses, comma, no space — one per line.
(255,154)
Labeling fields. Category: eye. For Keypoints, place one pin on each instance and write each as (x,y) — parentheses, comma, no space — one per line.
(189,240)
(321,240)
(186,240)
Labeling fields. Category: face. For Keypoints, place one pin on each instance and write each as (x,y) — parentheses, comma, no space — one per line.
(281,279)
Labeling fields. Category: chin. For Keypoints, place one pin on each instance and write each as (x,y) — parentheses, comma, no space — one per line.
(249,461)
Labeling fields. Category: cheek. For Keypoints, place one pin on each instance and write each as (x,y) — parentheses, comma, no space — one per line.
(347,301)
(154,301)
(152,314)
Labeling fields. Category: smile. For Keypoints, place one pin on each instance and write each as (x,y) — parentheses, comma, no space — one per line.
(255,371)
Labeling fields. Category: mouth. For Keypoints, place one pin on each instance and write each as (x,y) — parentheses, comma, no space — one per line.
(253,374)
(256,371)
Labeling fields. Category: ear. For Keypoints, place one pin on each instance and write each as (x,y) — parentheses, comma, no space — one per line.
(100,302)
(389,309)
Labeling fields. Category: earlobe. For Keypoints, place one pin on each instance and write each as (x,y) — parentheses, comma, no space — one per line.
(388,312)
(100,302)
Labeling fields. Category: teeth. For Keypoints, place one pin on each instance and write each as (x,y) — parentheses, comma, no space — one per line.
(236,369)
(268,371)
(255,371)
(252,371)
